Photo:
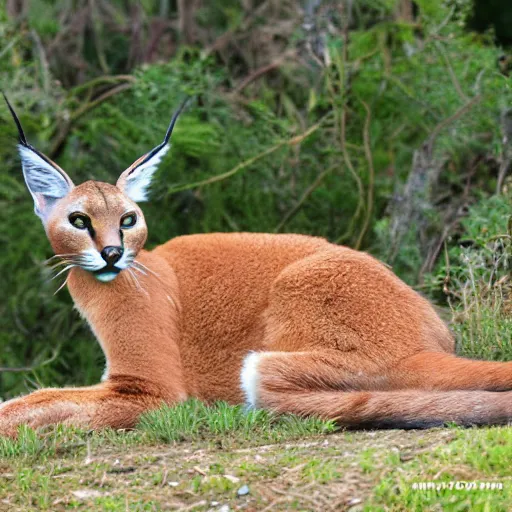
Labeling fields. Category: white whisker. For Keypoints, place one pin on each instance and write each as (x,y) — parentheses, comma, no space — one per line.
(59,264)
(91,260)
(137,282)
(62,285)
(140,284)
(61,256)
(130,274)
(126,275)
(64,262)
(135,267)
(138,270)
(63,270)
(146,267)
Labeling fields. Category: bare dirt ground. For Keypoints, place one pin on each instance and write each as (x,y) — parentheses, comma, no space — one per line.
(354,471)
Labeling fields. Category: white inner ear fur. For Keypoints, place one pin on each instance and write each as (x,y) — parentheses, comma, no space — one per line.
(137,183)
(45,182)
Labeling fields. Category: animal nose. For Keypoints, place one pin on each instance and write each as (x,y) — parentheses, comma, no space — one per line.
(112,254)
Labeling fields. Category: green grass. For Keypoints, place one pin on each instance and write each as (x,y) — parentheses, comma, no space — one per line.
(193,455)
(196,457)
(190,421)
(476,279)
(478,459)
(193,420)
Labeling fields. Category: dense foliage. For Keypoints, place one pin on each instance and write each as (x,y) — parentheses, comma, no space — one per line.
(374,128)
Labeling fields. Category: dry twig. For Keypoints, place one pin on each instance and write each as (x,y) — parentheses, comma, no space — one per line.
(371,176)
(246,163)
(293,211)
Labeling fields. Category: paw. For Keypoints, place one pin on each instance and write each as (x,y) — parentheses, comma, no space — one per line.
(8,417)
(35,410)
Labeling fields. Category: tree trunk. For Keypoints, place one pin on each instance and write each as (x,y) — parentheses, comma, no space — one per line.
(404,11)
(186,10)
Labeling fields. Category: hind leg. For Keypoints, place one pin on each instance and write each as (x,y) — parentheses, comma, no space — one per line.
(339,320)
(292,381)
(346,301)
(280,382)
(327,328)
(270,376)
(265,373)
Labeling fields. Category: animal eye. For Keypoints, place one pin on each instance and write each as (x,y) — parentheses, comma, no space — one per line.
(79,221)
(128,220)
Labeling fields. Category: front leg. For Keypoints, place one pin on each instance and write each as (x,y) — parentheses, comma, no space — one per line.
(116,403)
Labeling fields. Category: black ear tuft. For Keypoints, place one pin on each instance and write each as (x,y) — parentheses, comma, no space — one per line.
(175,116)
(21,133)
(136,180)
(45,180)
(167,137)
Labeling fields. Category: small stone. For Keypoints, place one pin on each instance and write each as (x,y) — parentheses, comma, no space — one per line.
(243,490)
(223,508)
(173,484)
(85,494)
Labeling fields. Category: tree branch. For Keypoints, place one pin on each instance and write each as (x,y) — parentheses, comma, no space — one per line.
(246,163)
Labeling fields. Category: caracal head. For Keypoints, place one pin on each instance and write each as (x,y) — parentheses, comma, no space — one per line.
(95,225)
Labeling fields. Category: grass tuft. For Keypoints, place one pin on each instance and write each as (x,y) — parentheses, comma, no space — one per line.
(194,420)
(189,421)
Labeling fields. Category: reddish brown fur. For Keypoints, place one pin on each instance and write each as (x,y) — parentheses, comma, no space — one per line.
(105,204)
(342,336)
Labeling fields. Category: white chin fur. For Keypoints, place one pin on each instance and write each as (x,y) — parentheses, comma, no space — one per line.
(106,277)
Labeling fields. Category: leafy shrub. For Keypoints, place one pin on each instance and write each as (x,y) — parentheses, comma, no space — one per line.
(240,160)
(475,277)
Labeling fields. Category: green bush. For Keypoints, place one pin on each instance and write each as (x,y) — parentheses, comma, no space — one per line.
(365,111)
(474,276)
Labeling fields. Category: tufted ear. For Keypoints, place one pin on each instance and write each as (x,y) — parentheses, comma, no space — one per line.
(135,181)
(45,180)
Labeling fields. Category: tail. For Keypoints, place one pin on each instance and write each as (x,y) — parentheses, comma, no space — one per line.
(316,384)
(397,409)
